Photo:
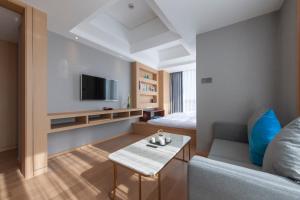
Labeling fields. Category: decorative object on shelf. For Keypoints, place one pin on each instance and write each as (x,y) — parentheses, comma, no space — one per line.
(129,102)
(146,76)
(107,108)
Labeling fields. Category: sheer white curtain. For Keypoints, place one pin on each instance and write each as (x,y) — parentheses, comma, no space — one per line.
(189,90)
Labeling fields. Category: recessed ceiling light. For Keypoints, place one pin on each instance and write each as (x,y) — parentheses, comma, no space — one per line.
(76,38)
(131,6)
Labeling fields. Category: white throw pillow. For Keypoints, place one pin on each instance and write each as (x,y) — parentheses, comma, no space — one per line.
(282,156)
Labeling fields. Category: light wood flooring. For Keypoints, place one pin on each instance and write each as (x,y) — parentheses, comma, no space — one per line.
(87,173)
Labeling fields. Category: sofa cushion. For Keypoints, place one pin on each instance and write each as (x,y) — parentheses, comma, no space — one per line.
(214,180)
(236,153)
(282,156)
(263,132)
(253,119)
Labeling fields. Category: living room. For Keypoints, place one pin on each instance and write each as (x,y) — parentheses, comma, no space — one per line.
(133,99)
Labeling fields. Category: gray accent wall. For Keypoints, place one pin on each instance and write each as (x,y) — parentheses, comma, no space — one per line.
(68,59)
(243,61)
(288,86)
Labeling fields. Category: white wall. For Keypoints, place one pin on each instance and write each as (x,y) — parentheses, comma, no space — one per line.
(67,59)
(288,86)
(243,61)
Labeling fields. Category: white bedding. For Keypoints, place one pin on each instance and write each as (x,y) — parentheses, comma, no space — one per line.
(177,120)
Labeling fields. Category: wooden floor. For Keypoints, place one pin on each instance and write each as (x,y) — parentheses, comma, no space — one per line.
(88,174)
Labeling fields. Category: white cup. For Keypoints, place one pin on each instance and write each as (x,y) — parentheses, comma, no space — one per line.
(168,139)
(162,140)
(153,140)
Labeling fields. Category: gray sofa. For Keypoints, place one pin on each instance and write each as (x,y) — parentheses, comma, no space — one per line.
(228,174)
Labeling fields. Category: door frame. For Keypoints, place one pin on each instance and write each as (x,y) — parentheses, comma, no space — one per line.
(25,81)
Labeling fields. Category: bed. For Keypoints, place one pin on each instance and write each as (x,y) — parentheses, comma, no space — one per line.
(176,120)
(178,123)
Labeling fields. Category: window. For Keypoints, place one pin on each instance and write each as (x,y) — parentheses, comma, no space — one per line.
(189,90)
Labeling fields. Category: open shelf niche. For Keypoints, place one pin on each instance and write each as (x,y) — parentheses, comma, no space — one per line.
(74,120)
(99,118)
(144,86)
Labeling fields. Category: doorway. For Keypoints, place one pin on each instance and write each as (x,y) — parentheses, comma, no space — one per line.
(10,23)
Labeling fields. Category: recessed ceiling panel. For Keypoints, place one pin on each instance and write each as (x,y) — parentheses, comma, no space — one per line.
(138,14)
(172,53)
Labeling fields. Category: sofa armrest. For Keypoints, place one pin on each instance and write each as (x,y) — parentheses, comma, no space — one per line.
(210,179)
(230,131)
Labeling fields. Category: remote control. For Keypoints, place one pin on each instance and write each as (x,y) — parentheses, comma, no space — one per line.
(149,145)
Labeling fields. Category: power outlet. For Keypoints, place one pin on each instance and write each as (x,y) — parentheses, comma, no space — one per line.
(206,80)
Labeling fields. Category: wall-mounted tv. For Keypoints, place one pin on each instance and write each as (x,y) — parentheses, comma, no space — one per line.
(97,88)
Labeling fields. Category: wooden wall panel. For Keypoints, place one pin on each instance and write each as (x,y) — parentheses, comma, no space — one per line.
(164,91)
(25,94)
(32,92)
(9,93)
(21,94)
(134,85)
(14,5)
(40,94)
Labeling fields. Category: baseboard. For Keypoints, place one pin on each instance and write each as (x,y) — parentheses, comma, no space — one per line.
(96,142)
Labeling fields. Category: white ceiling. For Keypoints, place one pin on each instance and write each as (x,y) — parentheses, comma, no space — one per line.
(192,17)
(159,33)
(9,21)
(131,18)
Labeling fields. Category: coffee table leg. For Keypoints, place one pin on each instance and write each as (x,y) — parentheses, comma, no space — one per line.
(140,187)
(159,187)
(115,181)
(189,151)
(183,153)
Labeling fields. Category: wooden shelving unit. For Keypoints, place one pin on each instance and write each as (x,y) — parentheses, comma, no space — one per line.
(148,81)
(148,93)
(164,91)
(74,120)
(144,86)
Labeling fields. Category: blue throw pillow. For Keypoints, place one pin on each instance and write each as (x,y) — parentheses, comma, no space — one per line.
(263,132)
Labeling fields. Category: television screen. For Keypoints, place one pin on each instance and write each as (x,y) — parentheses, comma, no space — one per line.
(92,88)
(96,88)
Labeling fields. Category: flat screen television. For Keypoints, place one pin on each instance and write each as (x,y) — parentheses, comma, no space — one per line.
(97,88)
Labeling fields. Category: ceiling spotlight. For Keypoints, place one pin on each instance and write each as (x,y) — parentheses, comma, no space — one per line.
(76,38)
(131,6)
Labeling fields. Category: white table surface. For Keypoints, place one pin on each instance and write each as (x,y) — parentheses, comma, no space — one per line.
(146,160)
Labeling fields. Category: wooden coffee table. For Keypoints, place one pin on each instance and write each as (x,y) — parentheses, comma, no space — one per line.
(148,161)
